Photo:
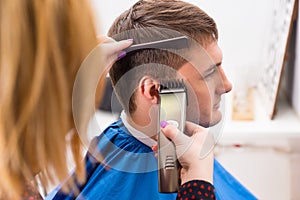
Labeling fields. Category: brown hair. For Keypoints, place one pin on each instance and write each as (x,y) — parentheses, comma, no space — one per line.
(150,20)
(42,45)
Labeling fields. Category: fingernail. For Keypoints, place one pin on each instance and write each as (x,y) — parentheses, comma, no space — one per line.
(163,124)
(130,40)
(121,55)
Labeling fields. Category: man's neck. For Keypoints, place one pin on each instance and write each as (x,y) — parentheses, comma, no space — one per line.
(139,123)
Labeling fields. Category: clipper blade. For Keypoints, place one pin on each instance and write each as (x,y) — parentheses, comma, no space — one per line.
(171,86)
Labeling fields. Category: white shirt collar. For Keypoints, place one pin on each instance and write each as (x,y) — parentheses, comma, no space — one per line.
(135,133)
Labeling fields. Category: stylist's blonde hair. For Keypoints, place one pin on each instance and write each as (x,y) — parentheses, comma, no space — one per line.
(42,45)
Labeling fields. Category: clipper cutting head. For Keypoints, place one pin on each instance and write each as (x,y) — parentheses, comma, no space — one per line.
(172,86)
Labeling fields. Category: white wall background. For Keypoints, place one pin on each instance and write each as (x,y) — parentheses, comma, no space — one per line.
(296,92)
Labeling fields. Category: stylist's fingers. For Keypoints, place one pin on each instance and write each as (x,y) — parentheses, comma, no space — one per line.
(111,50)
(188,150)
(114,48)
(204,134)
(192,128)
(174,134)
(181,141)
(194,137)
(191,131)
(119,46)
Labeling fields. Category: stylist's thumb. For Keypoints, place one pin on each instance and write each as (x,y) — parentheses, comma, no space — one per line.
(180,140)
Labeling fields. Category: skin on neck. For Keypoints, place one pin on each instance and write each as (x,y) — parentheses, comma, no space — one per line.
(145,120)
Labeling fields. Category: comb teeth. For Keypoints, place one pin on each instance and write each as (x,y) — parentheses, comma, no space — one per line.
(172,84)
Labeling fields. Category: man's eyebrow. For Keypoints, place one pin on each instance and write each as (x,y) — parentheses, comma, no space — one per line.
(213,66)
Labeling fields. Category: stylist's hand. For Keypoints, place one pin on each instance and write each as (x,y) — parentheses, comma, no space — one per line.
(109,51)
(113,50)
(102,57)
(90,80)
(188,150)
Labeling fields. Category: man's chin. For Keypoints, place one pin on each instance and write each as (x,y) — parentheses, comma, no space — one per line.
(203,123)
(211,123)
(206,122)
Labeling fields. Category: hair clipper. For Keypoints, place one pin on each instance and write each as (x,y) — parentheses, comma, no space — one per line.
(172,109)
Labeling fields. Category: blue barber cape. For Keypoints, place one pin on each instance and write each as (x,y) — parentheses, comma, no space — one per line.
(130,171)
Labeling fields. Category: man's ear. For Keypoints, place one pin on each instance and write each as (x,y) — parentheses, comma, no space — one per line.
(149,89)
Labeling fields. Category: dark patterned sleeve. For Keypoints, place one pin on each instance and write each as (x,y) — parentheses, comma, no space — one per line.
(31,193)
(196,189)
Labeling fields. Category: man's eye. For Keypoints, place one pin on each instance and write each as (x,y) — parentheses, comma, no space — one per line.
(211,72)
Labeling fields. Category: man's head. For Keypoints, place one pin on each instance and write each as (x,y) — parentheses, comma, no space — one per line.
(151,20)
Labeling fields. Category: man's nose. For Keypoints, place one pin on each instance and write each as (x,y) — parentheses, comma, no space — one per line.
(225,84)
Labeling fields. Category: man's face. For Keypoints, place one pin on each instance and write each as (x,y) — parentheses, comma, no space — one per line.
(206,82)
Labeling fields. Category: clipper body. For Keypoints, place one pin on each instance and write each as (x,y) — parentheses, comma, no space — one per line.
(172,109)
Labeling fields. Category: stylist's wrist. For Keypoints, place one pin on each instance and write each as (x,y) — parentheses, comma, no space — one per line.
(198,171)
